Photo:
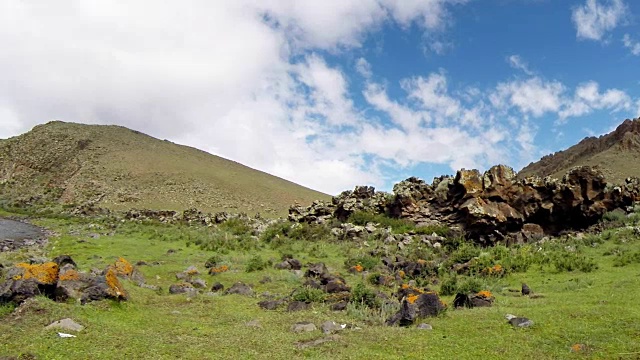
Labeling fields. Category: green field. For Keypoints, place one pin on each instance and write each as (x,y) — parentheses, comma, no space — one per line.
(596,308)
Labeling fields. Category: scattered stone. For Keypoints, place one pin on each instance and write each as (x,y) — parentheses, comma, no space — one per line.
(330,327)
(462,301)
(182,288)
(198,283)
(311,343)
(298,306)
(404,317)
(240,288)
(65,324)
(339,306)
(482,299)
(217,287)
(266,279)
(270,304)
(525,289)
(520,322)
(303,326)
(424,326)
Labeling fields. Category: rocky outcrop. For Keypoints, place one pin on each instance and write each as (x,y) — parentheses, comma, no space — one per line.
(489,205)
(60,280)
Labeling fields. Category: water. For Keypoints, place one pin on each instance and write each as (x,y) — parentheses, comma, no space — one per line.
(16,230)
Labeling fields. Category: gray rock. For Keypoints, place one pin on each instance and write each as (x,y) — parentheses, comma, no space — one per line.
(303,326)
(520,322)
(330,327)
(298,306)
(65,324)
(198,283)
(424,326)
(240,288)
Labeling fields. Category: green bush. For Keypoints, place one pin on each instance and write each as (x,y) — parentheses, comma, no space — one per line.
(570,261)
(626,258)
(365,295)
(256,263)
(398,226)
(237,227)
(308,294)
(457,284)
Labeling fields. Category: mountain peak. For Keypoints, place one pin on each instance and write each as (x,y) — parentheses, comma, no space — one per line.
(614,153)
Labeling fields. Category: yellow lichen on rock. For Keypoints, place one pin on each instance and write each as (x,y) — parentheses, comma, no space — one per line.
(123,267)
(116,288)
(46,273)
(69,275)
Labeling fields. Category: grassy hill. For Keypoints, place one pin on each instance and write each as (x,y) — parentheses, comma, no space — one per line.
(119,168)
(615,154)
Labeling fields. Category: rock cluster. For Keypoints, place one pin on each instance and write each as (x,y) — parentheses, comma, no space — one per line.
(487,206)
(59,279)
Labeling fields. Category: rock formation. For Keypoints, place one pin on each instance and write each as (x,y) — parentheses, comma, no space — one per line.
(487,206)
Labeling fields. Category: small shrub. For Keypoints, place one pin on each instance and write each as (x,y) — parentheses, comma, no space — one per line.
(256,263)
(237,227)
(571,261)
(449,286)
(626,258)
(212,261)
(364,295)
(308,294)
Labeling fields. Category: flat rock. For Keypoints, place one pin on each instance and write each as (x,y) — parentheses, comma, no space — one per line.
(65,324)
(303,326)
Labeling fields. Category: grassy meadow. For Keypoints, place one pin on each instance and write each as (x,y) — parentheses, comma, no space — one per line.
(586,288)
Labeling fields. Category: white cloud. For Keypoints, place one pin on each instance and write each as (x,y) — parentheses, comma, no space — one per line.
(595,18)
(533,96)
(631,44)
(517,62)
(363,68)
(588,98)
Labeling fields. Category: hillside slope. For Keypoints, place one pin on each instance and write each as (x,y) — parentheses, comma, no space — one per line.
(118,168)
(615,154)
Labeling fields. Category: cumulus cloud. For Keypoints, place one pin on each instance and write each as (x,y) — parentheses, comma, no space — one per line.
(588,98)
(595,18)
(631,44)
(533,96)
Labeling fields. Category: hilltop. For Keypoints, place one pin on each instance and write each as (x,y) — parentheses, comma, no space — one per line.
(614,154)
(118,168)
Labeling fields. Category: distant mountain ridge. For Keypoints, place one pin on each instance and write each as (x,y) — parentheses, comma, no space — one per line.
(615,154)
(118,168)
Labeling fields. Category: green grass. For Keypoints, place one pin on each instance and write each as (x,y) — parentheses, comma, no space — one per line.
(597,308)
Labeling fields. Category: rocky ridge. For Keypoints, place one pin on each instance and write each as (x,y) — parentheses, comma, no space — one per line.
(487,206)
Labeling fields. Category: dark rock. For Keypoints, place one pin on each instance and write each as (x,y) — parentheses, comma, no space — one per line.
(298,306)
(525,289)
(63,260)
(217,287)
(336,286)
(339,306)
(270,304)
(429,305)
(182,288)
(316,270)
(330,327)
(462,301)
(406,316)
(240,288)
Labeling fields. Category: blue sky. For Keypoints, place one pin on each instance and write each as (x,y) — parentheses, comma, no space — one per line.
(330,94)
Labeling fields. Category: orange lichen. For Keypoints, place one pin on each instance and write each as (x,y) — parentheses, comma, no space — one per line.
(357,268)
(485,294)
(401,274)
(123,267)
(46,273)
(115,287)
(404,286)
(218,269)
(421,261)
(578,347)
(412,299)
(497,268)
(69,275)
